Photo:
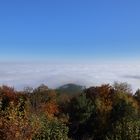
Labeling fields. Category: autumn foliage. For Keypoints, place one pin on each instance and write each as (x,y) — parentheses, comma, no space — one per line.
(98,113)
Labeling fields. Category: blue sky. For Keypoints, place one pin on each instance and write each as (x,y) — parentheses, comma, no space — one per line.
(69,30)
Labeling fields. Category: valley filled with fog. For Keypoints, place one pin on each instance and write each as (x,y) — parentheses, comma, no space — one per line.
(21,75)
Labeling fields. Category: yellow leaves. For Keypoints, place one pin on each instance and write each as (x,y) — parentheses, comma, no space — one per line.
(16,125)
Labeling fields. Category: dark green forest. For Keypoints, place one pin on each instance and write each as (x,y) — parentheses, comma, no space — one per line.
(70,112)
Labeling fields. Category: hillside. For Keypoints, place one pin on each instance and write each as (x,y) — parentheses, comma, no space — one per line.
(70,89)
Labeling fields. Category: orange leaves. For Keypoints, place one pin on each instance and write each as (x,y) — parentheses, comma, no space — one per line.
(50,109)
(8,95)
(8,92)
(15,124)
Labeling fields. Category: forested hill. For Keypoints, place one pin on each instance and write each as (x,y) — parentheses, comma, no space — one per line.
(70,89)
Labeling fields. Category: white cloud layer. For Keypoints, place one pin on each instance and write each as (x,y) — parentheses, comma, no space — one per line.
(20,75)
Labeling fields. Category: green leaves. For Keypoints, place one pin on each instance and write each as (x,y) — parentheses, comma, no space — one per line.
(82,108)
(52,130)
(126,129)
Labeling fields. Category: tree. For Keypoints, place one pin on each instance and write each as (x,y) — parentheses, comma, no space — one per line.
(80,112)
(15,122)
(41,95)
(102,98)
(122,87)
(137,96)
(124,118)
(125,130)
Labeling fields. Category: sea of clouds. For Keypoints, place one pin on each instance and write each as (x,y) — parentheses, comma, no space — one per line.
(21,75)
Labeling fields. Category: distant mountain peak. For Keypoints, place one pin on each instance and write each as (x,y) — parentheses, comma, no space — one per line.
(70,88)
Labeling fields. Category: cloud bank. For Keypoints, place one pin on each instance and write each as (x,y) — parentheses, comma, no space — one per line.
(21,75)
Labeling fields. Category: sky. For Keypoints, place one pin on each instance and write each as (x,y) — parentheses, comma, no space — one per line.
(88,42)
(69,30)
